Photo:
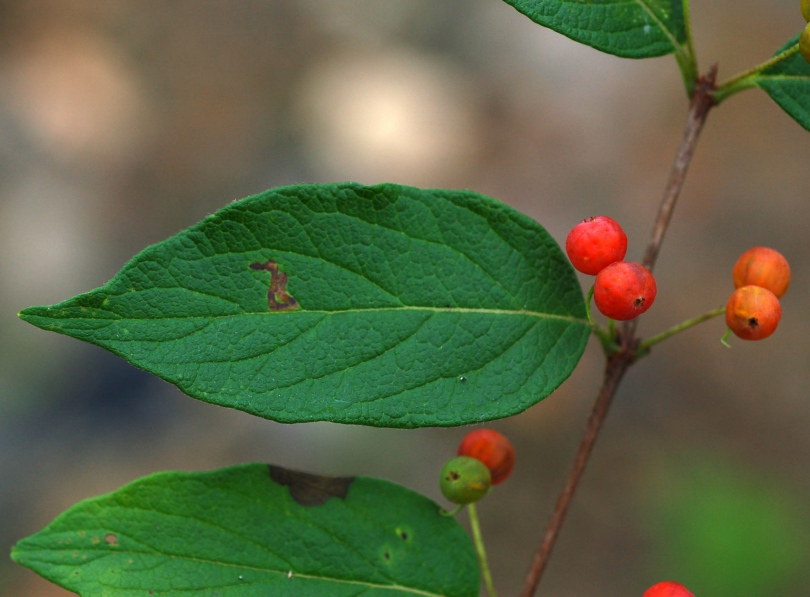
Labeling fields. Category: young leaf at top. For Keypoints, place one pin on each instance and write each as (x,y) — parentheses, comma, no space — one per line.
(626,28)
(385,305)
(788,84)
(255,531)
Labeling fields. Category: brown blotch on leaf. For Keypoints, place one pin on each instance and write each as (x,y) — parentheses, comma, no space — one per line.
(278,299)
(308,489)
(111,539)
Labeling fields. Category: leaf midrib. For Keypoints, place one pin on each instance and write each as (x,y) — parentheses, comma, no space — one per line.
(645,7)
(495,312)
(128,552)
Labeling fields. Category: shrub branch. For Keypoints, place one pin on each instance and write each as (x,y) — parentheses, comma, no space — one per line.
(700,104)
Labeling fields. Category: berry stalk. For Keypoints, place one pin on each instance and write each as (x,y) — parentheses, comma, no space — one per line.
(644,347)
(480,550)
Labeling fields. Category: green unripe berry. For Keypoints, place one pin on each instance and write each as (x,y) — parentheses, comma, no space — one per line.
(464,480)
(804,43)
(806,10)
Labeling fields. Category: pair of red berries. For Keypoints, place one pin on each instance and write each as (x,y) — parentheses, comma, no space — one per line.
(484,458)
(623,290)
(761,277)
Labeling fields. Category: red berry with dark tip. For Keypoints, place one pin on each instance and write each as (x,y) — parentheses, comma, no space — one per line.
(624,290)
(753,312)
(667,589)
(491,448)
(595,243)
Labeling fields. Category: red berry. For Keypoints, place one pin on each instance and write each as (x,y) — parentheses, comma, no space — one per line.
(624,290)
(763,267)
(491,448)
(753,312)
(595,243)
(667,589)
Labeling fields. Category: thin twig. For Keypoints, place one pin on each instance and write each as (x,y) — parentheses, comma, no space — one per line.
(699,107)
(618,363)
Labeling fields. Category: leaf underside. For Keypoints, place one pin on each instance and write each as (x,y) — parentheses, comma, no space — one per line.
(626,28)
(788,84)
(251,530)
(387,306)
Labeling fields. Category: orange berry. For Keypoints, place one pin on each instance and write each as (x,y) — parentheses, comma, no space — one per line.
(624,290)
(763,267)
(491,448)
(753,312)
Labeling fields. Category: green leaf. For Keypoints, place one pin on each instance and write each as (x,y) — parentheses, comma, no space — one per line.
(788,83)
(626,28)
(389,306)
(253,531)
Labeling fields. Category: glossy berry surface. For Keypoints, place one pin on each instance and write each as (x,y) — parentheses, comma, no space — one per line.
(595,243)
(491,448)
(667,589)
(753,312)
(804,43)
(763,267)
(806,10)
(464,480)
(624,290)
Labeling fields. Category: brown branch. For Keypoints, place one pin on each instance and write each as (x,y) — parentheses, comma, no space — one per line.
(699,106)
(617,364)
(615,370)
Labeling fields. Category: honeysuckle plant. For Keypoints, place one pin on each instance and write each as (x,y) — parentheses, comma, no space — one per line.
(384,305)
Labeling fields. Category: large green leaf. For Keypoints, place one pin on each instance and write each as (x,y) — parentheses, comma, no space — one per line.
(627,28)
(389,306)
(253,531)
(788,84)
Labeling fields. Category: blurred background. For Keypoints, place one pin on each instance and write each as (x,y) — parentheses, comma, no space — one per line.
(124,122)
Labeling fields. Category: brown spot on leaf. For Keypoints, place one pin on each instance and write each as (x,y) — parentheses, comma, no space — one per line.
(111,539)
(278,299)
(308,489)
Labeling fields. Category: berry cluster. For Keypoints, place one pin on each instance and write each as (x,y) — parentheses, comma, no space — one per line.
(623,290)
(484,458)
(761,277)
(804,39)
